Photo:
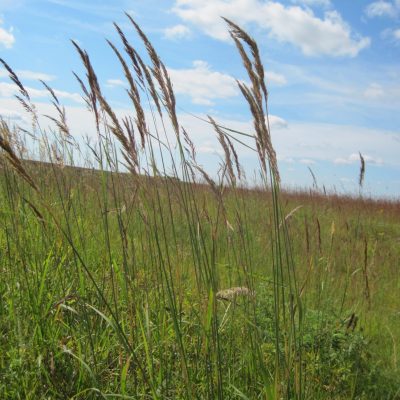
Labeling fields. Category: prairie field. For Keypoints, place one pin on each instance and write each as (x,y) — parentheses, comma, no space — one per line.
(136,274)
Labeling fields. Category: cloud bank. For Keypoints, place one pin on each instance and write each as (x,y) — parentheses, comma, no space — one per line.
(299,26)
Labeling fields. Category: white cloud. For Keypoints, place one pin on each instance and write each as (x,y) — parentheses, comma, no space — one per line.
(330,36)
(382,8)
(306,161)
(276,122)
(336,88)
(115,83)
(177,32)
(10,5)
(11,115)
(202,84)
(7,38)
(329,142)
(391,34)
(311,141)
(75,97)
(297,25)
(288,160)
(29,75)
(374,91)
(10,89)
(274,77)
(311,3)
(209,147)
(299,141)
(355,158)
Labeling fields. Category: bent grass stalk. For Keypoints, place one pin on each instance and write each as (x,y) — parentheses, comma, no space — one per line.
(256,96)
(127,289)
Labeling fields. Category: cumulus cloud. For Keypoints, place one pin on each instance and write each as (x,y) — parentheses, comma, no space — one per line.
(10,90)
(115,83)
(209,147)
(312,3)
(306,161)
(355,158)
(374,91)
(7,38)
(11,115)
(203,84)
(277,122)
(312,141)
(29,75)
(319,143)
(330,142)
(392,34)
(383,8)
(297,25)
(275,78)
(287,160)
(292,140)
(177,32)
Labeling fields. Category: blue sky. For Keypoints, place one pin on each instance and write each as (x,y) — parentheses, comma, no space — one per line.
(332,68)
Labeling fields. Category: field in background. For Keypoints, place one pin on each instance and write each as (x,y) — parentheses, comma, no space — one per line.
(178,285)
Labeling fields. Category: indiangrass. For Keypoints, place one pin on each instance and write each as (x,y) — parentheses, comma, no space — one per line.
(168,283)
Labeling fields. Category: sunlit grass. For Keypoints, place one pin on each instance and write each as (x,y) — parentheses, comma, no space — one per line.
(168,283)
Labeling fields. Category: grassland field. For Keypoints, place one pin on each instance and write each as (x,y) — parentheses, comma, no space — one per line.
(181,285)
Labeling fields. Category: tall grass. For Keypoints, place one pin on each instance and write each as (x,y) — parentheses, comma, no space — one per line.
(166,282)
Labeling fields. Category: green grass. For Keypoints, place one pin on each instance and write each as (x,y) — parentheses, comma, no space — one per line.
(59,339)
(109,281)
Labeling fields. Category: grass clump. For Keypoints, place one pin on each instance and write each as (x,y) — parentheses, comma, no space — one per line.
(168,283)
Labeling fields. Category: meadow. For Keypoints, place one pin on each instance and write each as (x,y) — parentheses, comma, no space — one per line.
(140,275)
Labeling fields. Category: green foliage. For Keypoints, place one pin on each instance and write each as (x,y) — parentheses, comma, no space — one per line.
(110,283)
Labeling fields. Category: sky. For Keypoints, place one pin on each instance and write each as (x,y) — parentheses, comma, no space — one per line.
(332,70)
